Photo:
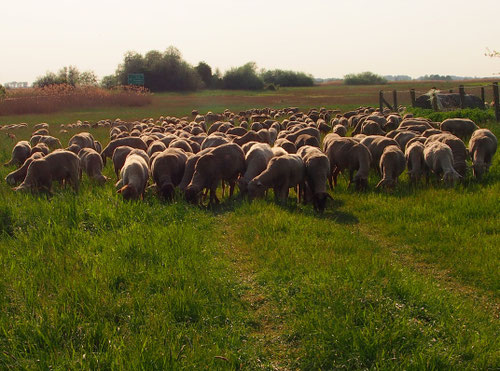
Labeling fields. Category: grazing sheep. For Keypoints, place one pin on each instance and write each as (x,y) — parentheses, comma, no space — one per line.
(167,170)
(392,164)
(60,165)
(404,137)
(348,153)
(306,140)
(281,174)
(439,159)
(376,145)
(189,168)
(223,163)
(20,152)
(250,136)
(181,144)
(279,151)
(50,141)
(133,142)
(370,127)
(81,140)
(340,130)
(462,128)
(134,177)
(256,161)
(18,175)
(415,162)
(91,163)
(482,147)
(213,141)
(156,146)
(292,137)
(40,147)
(119,155)
(430,132)
(286,145)
(317,168)
(460,153)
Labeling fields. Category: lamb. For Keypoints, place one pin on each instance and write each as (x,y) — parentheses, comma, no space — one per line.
(392,164)
(20,152)
(225,163)
(167,170)
(462,128)
(439,159)
(60,165)
(317,168)
(281,173)
(256,161)
(460,153)
(482,147)
(348,153)
(134,177)
(91,163)
(415,162)
(18,175)
(133,142)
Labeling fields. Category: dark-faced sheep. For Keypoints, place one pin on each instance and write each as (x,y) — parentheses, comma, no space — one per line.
(460,153)
(91,163)
(223,163)
(439,159)
(392,164)
(167,170)
(281,174)
(134,177)
(482,147)
(317,171)
(462,128)
(59,166)
(256,161)
(18,175)
(20,152)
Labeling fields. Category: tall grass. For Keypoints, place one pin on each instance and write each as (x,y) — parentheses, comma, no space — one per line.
(56,98)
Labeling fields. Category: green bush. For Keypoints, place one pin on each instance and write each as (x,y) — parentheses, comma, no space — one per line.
(364,78)
(475,114)
(287,78)
(68,76)
(243,78)
(3,92)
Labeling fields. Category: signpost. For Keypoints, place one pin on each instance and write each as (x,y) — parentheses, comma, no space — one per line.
(136,79)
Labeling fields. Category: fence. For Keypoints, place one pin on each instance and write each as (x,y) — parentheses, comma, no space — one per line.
(483,93)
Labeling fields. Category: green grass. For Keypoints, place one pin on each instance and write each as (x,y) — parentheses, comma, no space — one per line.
(403,280)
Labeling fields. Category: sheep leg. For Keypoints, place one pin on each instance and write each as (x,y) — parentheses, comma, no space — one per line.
(335,175)
(232,184)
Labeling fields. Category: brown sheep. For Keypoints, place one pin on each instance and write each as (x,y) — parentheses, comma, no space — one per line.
(181,144)
(376,145)
(60,165)
(40,147)
(91,163)
(281,174)
(81,140)
(213,141)
(392,164)
(133,142)
(317,171)
(286,145)
(134,177)
(50,141)
(439,159)
(119,156)
(482,147)
(18,175)
(404,137)
(340,130)
(250,136)
(190,166)
(306,140)
(462,128)
(156,146)
(223,163)
(20,152)
(414,155)
(460,153)
(256,161)
(167,170)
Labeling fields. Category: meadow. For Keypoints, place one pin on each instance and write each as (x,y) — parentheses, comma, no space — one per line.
(407,279)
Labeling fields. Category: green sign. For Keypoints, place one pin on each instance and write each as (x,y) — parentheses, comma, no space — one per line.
(136,79)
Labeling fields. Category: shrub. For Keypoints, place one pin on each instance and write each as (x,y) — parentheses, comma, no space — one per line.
(287,78)
(2,91)
(243,78)
(205,73)
(475,114)
(364,78)
(67,76)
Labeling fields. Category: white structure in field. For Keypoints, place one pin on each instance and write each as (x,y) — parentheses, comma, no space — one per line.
(16,85)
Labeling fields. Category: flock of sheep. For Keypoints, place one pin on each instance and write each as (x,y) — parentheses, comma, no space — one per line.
(278,149)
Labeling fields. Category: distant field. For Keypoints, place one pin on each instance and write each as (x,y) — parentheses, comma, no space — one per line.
(401,280)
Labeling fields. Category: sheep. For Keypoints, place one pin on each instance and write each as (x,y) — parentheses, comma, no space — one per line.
(281,173)
(91,163)
(213,141)
(156,146)
(460,153)
(415,162)
(40,147)
(392,164)
(279,151)
(60,165)
(250,136)
(348,153)
(286,145)
(181,144)
(134,177)
(50,141)
(462,128)
(292,137)
(317,168)
(306,139)
(439,159)
(81,140)
(133,142)
(18,175)
(256,161)
(189,168)
(340,130)
(404,137)
(20,152)
(223,163)
(482,147)
(167,170)
(119,155)
(376,145)
(370,127)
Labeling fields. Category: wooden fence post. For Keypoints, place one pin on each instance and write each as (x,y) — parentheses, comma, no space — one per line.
(461,90)
(395,100)
(412,96)
(482,94)
(495,97)
(381,100)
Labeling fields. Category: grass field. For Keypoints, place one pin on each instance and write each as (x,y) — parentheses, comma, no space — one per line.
(404,280)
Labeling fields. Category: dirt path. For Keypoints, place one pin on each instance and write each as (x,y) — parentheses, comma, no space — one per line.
(266,319)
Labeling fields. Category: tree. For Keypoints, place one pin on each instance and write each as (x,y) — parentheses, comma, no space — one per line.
(287,78)
(109,82)
(364,78)
(205,72)
(244,77)
(69,75)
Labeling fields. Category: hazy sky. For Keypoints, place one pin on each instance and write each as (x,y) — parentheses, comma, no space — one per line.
(323,38)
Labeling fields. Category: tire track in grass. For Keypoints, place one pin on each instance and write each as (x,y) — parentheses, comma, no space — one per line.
(265,317)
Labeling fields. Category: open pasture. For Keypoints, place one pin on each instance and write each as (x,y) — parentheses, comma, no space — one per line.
(404,279)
